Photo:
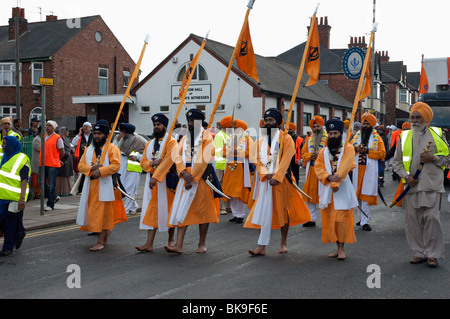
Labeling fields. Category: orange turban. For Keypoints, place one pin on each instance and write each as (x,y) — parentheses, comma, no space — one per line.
(369,118)
(292,126)
(241,124)
(424,110)
(346,123)
(406,125)
(226,122)
(316,119)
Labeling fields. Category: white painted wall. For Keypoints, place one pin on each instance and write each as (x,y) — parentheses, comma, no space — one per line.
(156,92)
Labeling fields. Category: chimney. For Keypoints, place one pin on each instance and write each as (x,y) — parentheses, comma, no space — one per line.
(23,23)
(358,42)
(51,18)
(324,32)
(384,56)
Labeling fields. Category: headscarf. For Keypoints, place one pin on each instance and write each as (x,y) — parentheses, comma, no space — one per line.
(127,128)
(12,148)
(406,126)
(160,118)
(424,110)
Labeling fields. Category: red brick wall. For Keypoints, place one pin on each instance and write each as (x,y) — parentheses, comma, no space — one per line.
(74,69)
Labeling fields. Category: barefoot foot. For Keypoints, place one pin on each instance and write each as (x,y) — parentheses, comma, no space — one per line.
(173,249)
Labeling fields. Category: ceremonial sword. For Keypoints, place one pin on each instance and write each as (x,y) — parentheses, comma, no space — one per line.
(416,176)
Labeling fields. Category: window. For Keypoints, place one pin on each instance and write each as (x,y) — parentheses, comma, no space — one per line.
(286,112)
(8,110)
(37,72)
(404,96)
(324,117)
(145,109)
(102,81)
(36,112)
(201,107)
(199,73)
(8,74)
(164,109)
(126,78)
(306,118)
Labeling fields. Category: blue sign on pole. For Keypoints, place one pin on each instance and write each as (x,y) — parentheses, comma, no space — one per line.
(353,63)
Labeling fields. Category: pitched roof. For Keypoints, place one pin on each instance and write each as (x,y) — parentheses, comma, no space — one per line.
(330,60)
(276,77)
(41,40)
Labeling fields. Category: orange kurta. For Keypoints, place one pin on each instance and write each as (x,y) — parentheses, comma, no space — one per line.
(233,180)
(204,208)
(311,186)
(288,205)
(337,225)
(377,154)
(159,173)
(103,215)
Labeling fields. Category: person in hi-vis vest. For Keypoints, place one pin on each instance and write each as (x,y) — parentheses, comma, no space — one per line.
(54,152)
(14,189)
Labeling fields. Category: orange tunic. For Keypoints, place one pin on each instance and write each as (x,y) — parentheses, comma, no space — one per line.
(380,153)
(288,205)
(204,208)
(159,173)
(103,215)
(337,225)
(233,181)
(311,186)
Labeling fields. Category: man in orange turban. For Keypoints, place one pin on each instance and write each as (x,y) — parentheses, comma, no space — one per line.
(236,179)
(369,148)
(313,145)
(422,203)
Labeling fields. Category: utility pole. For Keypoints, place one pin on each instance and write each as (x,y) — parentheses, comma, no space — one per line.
(373,60)
(17,35)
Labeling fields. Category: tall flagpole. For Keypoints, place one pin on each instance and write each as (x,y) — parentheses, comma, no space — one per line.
(185,90)
(360,84)
(299,77)
(230,65)
(125,97)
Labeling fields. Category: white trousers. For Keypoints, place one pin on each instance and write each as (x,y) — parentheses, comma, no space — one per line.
(237,207)
(366,209)
(312,210)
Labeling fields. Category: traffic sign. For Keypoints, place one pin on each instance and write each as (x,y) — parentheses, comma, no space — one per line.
(46,81)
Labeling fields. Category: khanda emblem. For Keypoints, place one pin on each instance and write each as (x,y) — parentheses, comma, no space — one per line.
(188,72)
(244,49)
(313,54)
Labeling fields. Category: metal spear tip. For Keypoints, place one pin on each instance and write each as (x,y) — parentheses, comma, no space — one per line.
(147,37)
(375,26)
(250,4)
(317,8)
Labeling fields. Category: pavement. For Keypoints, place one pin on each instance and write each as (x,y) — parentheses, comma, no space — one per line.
(65,211)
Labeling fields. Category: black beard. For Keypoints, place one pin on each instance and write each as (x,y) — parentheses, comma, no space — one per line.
(334,143)
(99,143)
(159,134)
(365,135)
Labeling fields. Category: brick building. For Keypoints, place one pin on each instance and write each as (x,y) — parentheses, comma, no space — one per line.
(81,55)
(392,95)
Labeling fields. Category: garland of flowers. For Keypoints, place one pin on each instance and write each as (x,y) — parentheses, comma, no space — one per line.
(239,147)
(373,147)
(323,141)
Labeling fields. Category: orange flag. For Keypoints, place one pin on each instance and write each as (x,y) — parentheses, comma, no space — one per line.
(246,56)
(423,86)
(312,66)
(367,89)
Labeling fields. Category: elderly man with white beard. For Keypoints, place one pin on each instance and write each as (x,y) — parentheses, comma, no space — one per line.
(422,203)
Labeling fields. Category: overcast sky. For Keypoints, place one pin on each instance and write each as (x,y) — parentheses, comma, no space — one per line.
(407,29)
